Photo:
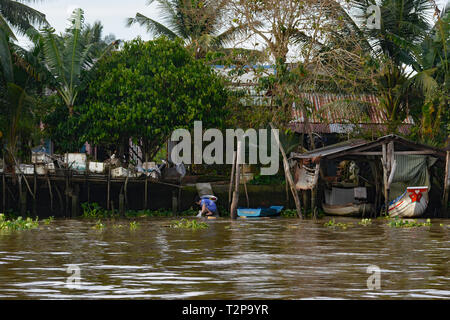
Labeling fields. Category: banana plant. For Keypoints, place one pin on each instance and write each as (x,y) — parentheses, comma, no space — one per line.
(71,59)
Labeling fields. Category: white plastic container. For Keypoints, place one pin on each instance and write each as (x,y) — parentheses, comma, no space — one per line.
(50,167)
(96,167)
(41,169)
(76,161)
(119,172)
(25,169)
(40,157)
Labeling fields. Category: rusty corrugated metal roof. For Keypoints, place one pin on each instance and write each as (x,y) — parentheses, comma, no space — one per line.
(328,119)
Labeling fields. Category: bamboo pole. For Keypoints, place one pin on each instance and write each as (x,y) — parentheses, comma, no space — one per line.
(288,174)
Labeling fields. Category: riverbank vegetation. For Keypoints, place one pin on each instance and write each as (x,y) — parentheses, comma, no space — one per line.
(86,87)
(79,86)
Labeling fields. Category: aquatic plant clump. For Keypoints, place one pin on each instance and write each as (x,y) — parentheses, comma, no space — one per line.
(134,225)
(365,222)
(99,225)
(188,224)
(18,224)
(332,224)
(400,223)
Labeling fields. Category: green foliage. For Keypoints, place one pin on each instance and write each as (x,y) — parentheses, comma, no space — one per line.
(70,59)
(49,220)
(145,91)
(188,224)
(95,211)
(99,225)
(134,225)
(197,22)
(365,222)
(400,223)
(267,180)
(332,224)
(17,224)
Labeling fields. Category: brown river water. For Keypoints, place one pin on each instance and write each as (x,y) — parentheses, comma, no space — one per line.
(243,259)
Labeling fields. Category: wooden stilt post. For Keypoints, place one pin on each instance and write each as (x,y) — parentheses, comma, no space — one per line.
(389,166)
(146,192)
(108,188)
(4,186)
(385,180)
(446,185)
(288,174)
(66,192)
(50,192)
(235,201)
(174,202)
(230,189)
(75,197)
(245,189)
(122,204)
(34,190)
(22,198)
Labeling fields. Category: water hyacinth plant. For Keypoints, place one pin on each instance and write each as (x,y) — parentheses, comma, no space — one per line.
(188,224)
(332,224)
(400,223)
(365,222)
(134,225)
(18,224)
(99,225)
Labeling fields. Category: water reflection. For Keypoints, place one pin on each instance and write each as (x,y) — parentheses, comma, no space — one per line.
(259,259)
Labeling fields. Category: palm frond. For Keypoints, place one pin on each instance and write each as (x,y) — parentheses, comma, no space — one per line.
(152,26)
(5,57)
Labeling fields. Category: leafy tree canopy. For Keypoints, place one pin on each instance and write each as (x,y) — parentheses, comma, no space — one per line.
(145,91)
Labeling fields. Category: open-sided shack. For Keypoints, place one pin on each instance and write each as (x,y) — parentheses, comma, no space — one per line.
(377,171)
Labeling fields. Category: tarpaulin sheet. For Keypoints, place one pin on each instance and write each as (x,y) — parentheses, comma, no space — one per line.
(411,171)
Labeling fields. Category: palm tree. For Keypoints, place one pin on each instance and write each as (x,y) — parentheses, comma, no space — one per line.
(16,14)
(71,59)
(16,117)
(197,22)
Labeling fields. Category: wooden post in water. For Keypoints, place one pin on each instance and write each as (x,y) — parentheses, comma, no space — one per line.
(122,204)
(146,192)
(75,197)
(446,185)
(288,175)
(66,192)
(108,187)
(174,202)
(233,168)
(34,190)
(389,166)
(50,192)
(22,198)
(245,188)
(234,203)
(4,186)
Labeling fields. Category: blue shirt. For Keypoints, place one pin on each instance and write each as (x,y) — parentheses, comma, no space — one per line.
(209,204)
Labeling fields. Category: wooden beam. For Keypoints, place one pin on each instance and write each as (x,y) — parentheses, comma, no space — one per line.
(379,153)
(288,175)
